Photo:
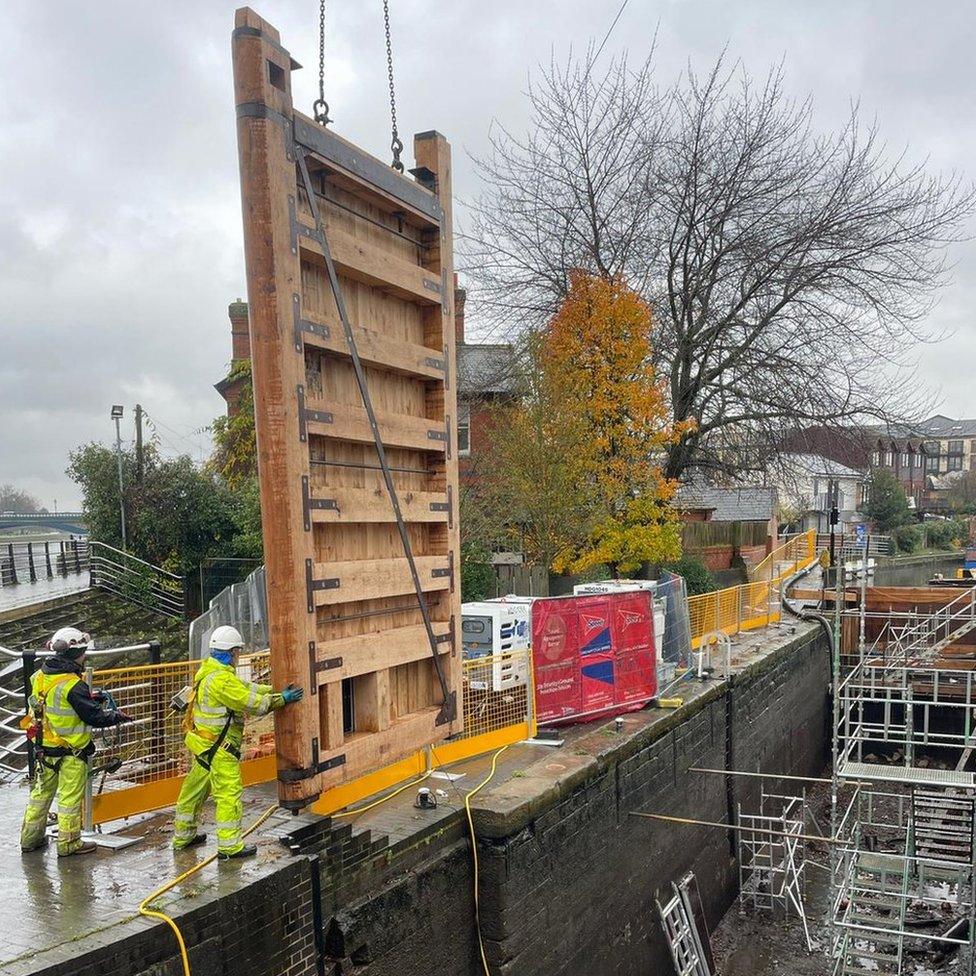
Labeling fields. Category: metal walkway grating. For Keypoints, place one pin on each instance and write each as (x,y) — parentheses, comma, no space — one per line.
(878,773)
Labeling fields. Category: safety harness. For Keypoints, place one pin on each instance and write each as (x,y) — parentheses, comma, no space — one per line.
(48,744)
(205,759)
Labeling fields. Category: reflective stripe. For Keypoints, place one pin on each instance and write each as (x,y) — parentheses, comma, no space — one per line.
(216,722)
(62,727)
(228,825)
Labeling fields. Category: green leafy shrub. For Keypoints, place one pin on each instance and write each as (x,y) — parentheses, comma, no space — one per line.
(909,538)
(696,575)
(477,574)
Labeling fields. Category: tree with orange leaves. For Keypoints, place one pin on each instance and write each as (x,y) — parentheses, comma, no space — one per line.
(597,349)
(574,463)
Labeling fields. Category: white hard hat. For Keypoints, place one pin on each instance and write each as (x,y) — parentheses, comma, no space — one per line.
(226,639)
(67,638)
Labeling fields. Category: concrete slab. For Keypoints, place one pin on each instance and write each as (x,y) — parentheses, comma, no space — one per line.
(50,902)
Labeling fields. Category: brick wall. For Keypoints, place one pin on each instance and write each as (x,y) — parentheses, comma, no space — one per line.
(568,884)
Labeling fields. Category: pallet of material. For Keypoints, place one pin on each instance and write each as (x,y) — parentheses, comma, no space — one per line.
(350,287)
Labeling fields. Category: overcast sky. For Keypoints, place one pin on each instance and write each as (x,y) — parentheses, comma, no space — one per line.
(120,228)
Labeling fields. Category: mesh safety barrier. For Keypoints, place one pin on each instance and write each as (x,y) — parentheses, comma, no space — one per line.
(150,747)
(754,604)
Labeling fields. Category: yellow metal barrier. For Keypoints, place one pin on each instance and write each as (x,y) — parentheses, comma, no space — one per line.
(754,604)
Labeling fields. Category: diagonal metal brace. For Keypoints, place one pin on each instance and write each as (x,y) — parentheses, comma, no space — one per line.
(449,707)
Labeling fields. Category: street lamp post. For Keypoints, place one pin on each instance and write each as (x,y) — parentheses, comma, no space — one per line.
(117,417)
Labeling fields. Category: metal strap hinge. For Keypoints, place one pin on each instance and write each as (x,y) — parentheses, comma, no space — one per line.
(313,585)
(309,503)
(315,666)
(301,326)
(305,416)
(316,767)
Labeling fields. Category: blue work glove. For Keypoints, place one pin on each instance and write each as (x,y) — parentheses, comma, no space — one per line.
(292,693)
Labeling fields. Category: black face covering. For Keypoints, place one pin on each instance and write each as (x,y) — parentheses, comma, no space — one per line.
(63,649)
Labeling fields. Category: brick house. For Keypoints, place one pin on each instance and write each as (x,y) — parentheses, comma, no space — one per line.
(485,380)
(742,522)
(230,386)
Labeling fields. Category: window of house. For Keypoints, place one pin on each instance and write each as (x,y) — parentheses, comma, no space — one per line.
(464,430)
(932,464)
(954,462)
(955,447)
(906,460)
(876,458)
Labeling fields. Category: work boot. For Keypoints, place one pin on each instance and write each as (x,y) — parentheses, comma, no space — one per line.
(195,841)
(39,846)
(85,847)
(249,850)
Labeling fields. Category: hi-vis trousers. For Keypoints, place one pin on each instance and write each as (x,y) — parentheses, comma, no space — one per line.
(223,779)
(66,778)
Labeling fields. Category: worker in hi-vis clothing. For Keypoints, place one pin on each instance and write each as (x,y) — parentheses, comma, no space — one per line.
(63,712)
(218,703)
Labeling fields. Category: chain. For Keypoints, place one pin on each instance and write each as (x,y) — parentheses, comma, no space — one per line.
(320,107)
(395,145)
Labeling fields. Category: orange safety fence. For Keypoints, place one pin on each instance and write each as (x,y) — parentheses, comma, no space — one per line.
(754,604)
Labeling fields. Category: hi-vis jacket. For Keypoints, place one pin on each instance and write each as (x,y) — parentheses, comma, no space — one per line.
(219,695)
(69,710)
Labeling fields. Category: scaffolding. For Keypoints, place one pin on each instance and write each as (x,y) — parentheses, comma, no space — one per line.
(903,799)
(772,857)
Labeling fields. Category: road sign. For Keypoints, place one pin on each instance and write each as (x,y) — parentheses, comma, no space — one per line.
(860,536)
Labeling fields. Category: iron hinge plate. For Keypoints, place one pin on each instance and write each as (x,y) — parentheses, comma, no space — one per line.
(312,585)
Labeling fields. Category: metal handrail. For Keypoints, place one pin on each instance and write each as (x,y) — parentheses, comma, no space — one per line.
(163,592)
(127,555)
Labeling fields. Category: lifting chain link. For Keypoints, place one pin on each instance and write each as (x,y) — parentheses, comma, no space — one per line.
(395,144)
(320,107)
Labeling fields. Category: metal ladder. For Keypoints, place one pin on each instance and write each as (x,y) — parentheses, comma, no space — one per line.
(681,932)
(875,915)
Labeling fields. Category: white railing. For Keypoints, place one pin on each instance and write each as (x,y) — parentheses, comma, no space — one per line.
(13,679)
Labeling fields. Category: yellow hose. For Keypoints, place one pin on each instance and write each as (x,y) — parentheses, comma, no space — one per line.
(144,908)
(376,803)
(474,855)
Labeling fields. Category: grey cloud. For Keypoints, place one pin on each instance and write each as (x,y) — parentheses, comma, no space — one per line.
(120,242)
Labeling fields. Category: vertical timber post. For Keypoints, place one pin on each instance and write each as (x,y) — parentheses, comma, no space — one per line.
(262,90)
(433,152)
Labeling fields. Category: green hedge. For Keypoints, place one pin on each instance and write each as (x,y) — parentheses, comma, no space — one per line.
(909,538)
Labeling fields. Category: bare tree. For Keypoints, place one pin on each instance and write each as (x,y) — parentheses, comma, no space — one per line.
(789,270)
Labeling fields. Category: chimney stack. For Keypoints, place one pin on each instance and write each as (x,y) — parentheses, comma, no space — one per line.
(240,336)
(460,296)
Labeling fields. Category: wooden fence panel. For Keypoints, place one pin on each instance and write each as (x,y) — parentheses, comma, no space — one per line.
(334,394)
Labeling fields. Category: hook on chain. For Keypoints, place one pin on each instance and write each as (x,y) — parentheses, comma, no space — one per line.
(320,107)
(396,145)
